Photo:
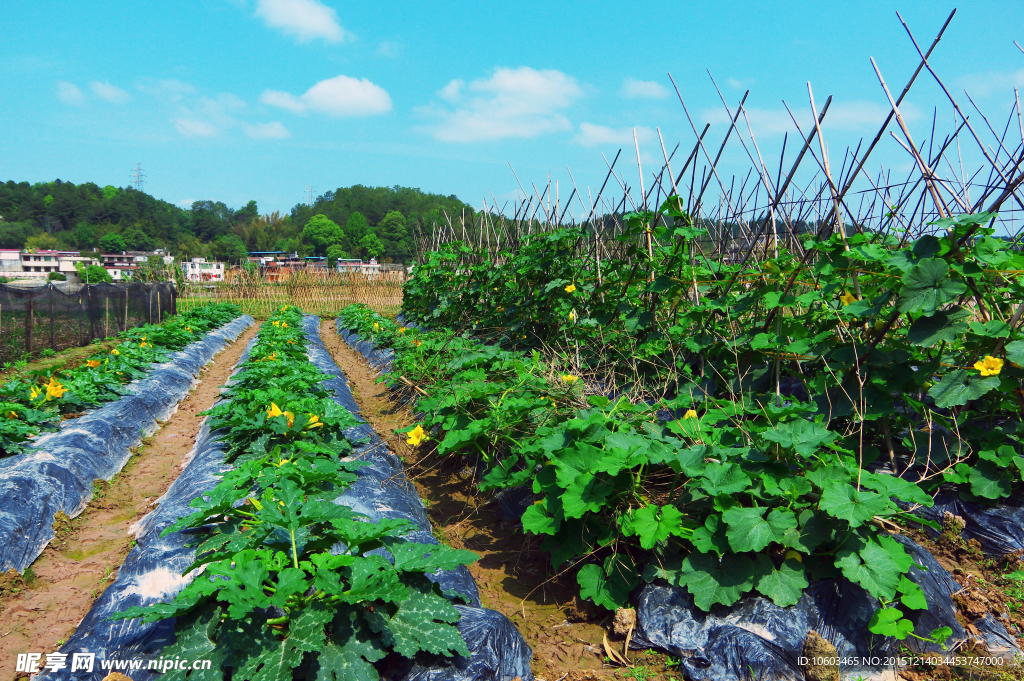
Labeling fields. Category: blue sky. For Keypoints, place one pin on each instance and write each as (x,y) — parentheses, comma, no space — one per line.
(234,100)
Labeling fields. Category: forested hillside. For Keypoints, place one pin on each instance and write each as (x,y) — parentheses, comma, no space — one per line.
(349,222)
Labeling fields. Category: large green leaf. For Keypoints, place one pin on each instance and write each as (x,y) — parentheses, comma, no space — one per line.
(653,524)
(712,581)
(959,387)
(871,566)
(421,623)
(927,287)
(750,531)
(890,622)
(610,591)
(719,478)
(586,493)
(801,435)
(990,481)
(195,636)
(843,501)
(349,655)
(944,326)
(786,585)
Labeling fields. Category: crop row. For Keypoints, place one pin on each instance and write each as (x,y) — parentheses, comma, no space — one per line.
(37,403)
(285,578)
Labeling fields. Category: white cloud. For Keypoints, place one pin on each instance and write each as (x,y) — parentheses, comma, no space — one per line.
(283,100)
(69,93)
(452,91)
(591,135)
(338,96)
(643,89)
(108,92)
(304,20)
(193,127)
(169,90)
(185,203)
(273,130)
(992,82)
(519,102)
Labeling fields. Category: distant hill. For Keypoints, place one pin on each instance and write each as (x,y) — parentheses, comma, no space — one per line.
(370,221)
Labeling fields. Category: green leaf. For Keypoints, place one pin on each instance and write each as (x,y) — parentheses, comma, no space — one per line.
(815,528)
(416,557)
(990,481)
(945,326)
(609,592)
(801,435)
(890,622)
(586,493)
(786,585)
(749,531)
(1015,352)
(350,653)
(871,566)
(711,537)
(195,634)
(927,287)
(712,581)
(843,501)
(653,524)
(538,519)
(421,623)
(719,478)
(912,595)
(959,387)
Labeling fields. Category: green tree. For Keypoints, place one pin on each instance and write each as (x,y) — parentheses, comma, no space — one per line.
(372,245)
(393,232)
(112,243)
(41,242)
(95,274)
(228,248)
(356,227)
(110,191)
(334,254)
(322,232)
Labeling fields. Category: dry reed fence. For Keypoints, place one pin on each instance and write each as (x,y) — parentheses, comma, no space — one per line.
(320,293)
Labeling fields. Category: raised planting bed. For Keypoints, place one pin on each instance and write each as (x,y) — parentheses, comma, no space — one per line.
(262,568)
(55,473)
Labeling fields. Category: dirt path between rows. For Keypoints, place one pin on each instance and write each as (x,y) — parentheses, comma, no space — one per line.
(514,576)
(82,560)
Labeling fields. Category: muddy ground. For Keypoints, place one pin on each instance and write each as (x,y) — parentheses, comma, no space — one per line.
(42,610)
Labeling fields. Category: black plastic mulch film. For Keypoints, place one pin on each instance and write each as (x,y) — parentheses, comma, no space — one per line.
(756,639)
(57,474)
(62,315)
(152,572)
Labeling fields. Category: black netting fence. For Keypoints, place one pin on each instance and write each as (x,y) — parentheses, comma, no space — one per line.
(62,315)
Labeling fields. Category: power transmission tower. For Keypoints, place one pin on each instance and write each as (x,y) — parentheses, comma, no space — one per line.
(310,188)
(138,177)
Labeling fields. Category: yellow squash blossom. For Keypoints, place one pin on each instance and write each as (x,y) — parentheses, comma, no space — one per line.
(284,325)
(570,288)
(34,392)
(274,410)
(290,342)
(690,414)
(115,352)
(54,389)
(376,326)
(990,366)
(188,328)
(572,316)
(402,330)
(569,378)
(847,298)
(93,363)
(314,422)
(417,343)
(416,436)
(284,308)
(11,414)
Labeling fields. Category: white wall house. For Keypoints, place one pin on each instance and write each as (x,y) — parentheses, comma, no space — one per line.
(199,269)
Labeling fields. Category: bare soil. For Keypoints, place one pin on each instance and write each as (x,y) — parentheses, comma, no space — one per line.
(43,608)
(513,575)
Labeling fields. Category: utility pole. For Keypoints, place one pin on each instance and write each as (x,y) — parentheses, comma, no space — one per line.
(310,188)
(138,177)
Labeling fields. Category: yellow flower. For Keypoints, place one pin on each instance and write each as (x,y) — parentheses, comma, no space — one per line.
(690,414)
(188,328)
(569,378)
(115,352)
(416,436)
(34,392)
(402,330)
(281,463)
(275,323)
(847,298)
(290,342)
(417,343)
(274,410)
(93,363)
(570,288)
(11,414)
(143,338)
(376,326)
(990,366)
(54,389)
(284,325)
(572,316)
(314,422)
(282,310)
